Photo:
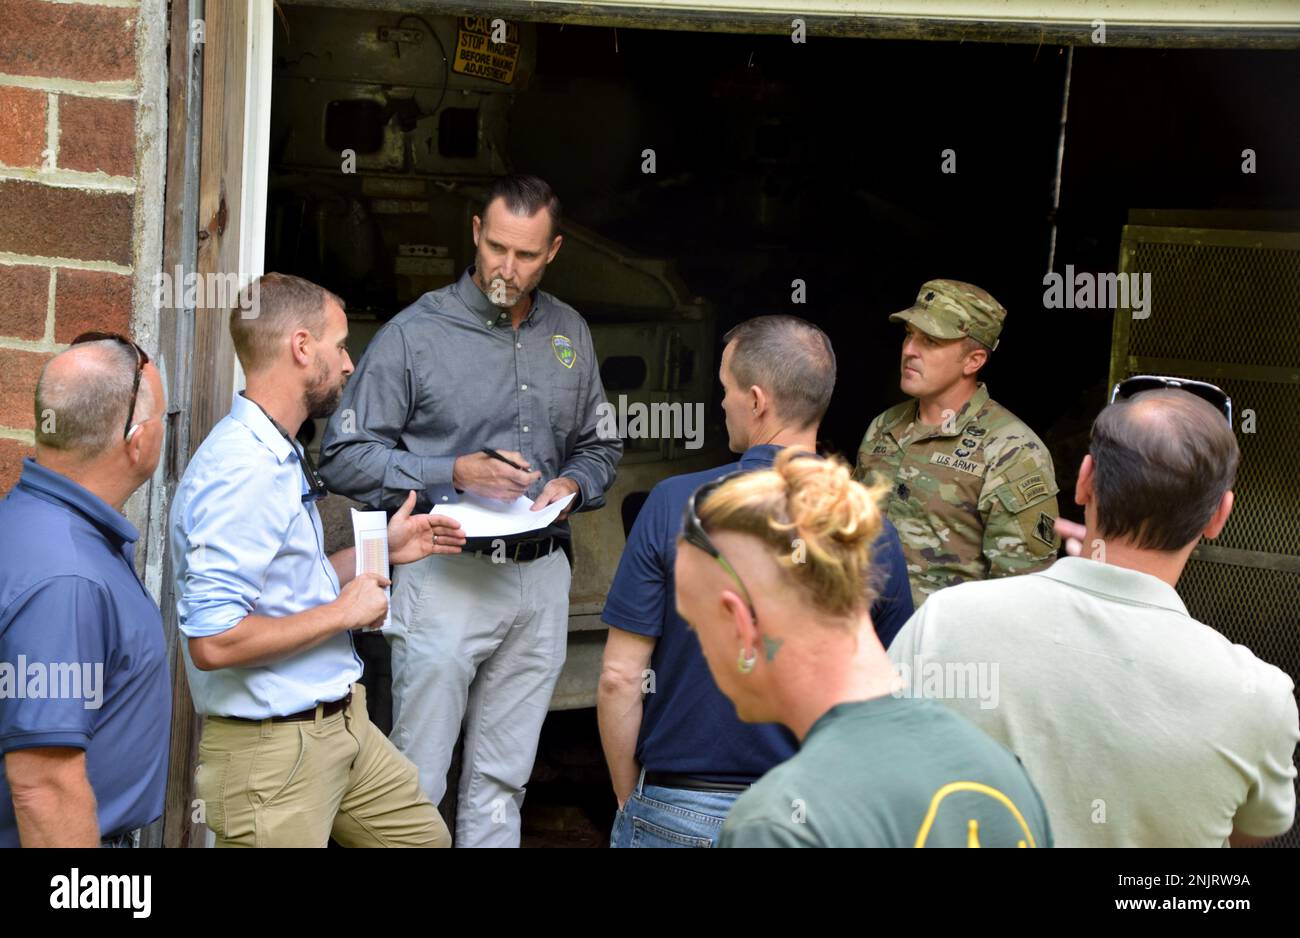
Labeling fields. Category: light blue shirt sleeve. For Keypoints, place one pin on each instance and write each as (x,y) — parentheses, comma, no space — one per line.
(234,524)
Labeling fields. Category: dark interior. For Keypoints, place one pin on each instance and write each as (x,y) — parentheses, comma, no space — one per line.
(823,163)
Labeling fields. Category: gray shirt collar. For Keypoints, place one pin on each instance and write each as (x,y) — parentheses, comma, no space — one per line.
(1119,583)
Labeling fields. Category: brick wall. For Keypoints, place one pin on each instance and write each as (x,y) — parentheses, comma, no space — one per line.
(71,190)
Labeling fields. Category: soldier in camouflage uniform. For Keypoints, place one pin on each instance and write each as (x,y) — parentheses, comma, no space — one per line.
(973,491)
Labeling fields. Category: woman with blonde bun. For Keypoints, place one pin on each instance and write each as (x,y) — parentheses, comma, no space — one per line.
(771,575)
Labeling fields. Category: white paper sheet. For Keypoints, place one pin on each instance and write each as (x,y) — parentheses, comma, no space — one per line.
(487,517)
(370,535)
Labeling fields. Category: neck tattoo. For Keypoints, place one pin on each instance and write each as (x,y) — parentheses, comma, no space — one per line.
(772,646)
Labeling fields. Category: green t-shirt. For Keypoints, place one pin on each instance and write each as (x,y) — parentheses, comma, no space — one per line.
(892,772)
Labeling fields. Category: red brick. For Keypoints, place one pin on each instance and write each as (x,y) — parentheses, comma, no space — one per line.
(22,115)
(11,462)
(67,40)
(18,390)
(24,296)
(53,222)
(91,300)
(97,135)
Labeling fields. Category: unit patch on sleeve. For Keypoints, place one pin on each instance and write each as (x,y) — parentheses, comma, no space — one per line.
(1045,530)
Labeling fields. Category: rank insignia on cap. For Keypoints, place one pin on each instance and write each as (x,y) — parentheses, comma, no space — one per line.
(564,351)
(1045,530)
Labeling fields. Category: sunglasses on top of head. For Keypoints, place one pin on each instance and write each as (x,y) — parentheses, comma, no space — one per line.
(141,359)
(693,532)
(1210,393)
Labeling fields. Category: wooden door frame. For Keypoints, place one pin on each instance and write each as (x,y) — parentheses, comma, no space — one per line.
(219,124)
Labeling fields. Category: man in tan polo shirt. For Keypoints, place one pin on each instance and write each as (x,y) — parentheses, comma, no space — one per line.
(1140,726)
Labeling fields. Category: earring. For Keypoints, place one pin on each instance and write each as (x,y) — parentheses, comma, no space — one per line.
(746,664)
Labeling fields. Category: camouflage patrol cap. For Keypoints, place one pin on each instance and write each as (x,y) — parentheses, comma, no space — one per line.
(950,309)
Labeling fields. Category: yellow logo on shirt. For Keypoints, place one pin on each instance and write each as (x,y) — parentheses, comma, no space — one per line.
(972,826)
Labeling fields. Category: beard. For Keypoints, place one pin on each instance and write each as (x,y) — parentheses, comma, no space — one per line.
(502,294)
(321,398)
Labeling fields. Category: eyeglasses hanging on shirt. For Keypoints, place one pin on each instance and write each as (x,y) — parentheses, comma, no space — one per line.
(316,489)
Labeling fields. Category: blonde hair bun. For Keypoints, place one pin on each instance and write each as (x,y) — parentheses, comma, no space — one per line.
(819,522)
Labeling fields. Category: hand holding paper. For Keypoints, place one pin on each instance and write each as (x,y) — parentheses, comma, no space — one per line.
(488,517)
(556,489)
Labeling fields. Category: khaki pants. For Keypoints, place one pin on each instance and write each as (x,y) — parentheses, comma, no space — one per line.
(298,784)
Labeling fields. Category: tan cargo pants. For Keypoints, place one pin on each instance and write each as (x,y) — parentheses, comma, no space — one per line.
(298,784)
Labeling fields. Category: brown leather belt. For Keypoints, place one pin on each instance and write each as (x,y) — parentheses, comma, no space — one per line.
(327,710)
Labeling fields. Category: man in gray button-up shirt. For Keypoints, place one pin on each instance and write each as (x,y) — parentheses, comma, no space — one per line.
(490,362)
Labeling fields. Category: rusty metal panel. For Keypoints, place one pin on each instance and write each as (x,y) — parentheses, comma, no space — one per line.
(1223,308)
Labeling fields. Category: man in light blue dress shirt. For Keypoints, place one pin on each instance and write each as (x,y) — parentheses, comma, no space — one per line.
(288,755)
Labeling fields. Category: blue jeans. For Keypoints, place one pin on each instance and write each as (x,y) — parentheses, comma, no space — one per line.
(670,817)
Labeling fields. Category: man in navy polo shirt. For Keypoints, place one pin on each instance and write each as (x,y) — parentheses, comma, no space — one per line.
(677,753)
(85,695)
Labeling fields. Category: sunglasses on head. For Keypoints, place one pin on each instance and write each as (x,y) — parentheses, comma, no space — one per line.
(141,359)
(693,532)
(1210,393)
(693,529)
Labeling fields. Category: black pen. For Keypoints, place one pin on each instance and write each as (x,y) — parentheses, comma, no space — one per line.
(495,455)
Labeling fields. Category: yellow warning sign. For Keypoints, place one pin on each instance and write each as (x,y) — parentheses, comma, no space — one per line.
(478,55)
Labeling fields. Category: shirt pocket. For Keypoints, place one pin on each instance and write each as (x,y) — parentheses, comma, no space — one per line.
(565,394)
(956,491)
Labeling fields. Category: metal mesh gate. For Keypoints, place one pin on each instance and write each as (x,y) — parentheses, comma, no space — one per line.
(1225,307)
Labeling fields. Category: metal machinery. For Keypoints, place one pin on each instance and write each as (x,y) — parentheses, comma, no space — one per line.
(386,128)
(1224,310)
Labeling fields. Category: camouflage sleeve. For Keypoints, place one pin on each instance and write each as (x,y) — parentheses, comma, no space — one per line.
(1019,533)
(860,469)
